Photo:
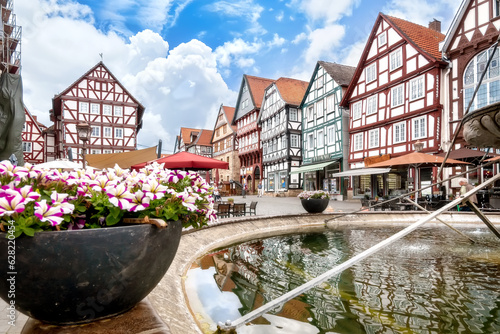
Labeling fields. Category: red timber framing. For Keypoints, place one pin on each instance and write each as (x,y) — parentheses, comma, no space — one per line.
(33,141)
(99,99)
(394,96)
(248,139)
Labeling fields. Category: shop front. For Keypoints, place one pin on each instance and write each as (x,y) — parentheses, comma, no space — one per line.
(320,176)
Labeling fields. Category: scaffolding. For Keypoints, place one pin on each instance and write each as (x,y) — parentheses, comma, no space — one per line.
(10,39)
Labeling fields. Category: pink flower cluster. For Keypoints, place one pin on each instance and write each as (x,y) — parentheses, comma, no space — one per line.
(55,193)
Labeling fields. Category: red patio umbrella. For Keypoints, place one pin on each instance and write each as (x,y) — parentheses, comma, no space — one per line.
(186,160)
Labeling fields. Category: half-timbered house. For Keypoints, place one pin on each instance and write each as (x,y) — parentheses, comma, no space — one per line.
(99,99)
(394,101)
(248,105)
(280,123)
(474,29)
(33,140)
(195,141)
(324,128)
(224,147)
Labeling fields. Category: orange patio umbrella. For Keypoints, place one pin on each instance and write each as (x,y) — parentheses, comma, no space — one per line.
(417,159)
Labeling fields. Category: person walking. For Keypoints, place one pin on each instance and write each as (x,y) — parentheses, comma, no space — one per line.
(260,189)
(464,188)
(244,190)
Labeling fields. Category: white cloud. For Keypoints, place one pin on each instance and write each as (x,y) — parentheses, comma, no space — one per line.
(180,88)
(299,38)
(323,43)
(280,16)
(327,10)
(277,41)
(231,52)
(245,9)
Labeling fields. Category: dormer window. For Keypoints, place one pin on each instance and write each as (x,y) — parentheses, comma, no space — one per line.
(382,39)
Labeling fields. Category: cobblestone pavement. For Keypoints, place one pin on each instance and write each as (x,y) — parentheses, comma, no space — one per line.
(267,206)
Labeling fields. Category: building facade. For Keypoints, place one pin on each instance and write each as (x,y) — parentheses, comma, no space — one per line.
(473,31)
(395,101)
(196,141)
(280,123)
(99,99)
(324,129)
(33,139)
(246,113)
(224,147)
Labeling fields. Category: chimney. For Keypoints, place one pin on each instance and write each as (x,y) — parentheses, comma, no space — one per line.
(435,25)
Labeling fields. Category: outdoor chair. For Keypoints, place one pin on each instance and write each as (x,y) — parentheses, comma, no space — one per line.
(224,210)
(252,208)
(239,209)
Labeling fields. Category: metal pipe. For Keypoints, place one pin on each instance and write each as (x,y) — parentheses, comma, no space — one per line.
(347,264)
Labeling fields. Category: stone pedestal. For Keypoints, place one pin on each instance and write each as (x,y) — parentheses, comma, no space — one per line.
(141,319)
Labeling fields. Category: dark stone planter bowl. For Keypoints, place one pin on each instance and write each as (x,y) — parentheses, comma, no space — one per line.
(313,205)
(72,277)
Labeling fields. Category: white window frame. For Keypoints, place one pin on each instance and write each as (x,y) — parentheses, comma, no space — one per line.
(371,105)
(320,138)
(399,133)
(95,151)
(310,113)
(330,104)
(94,108)
(294,140)
(357,139)
(118,110)
(294,115)
(27,147)
(356,110)
(84,107)
(396,59)
(397,92)
(419,127)
(310,141)
(374,138)
(320,109)
(96,131)
(106,110)
(118,133)
(371,73)
(330,131)
(417,89)
(107,132)
(382,39)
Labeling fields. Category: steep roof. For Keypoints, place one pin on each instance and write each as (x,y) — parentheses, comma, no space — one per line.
(291,90)
(257,86)
(459,15)
(229,111)
(424,38)
(186,135)
(204,138)
(56,106)
(342,74)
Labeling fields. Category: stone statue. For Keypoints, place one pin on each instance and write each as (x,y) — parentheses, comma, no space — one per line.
(12,117)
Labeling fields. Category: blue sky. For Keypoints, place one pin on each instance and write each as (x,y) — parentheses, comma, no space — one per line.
(182,59)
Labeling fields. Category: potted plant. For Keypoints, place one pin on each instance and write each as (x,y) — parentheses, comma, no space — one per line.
(314,201)
(230,200)
(72,249)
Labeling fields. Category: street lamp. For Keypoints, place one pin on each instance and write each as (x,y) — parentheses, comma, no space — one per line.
(84,131)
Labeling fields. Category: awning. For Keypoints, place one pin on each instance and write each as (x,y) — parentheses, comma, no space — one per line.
(362,171)
(313,167)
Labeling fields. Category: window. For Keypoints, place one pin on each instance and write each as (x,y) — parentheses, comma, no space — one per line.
(27,147)
(107,132)
(118,133)
(419,128)
(371,107)
(94,108)
(417,88)
(399,133)
(489,92)
(294,140)
(374,138)
(94,151)
(331,135)
(106,109)
(382,39)
(84,107)
(371,73)
(320,110)
(118,111)
(396,59)
(321,139)
(310,113)
(294,115)
(356,110)
(310,138)
(358,141)
(497,7)
(397,96)
(96,131)
(107,151)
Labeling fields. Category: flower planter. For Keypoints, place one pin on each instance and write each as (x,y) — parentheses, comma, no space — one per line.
(313,205)
(71,277)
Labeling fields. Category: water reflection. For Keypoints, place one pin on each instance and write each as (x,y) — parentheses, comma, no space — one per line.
(432,281)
